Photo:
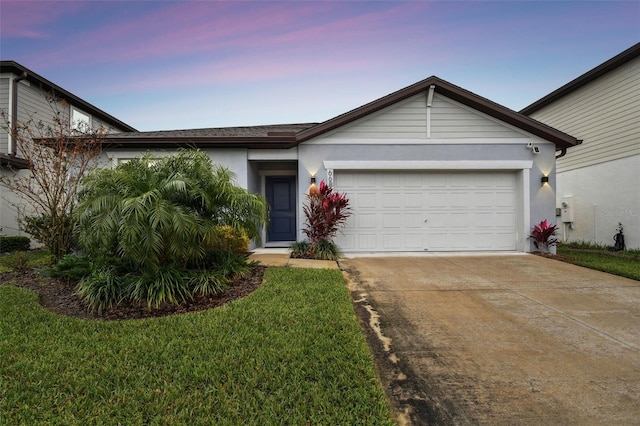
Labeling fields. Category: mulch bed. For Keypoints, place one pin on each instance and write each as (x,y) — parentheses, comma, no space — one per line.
(59,296)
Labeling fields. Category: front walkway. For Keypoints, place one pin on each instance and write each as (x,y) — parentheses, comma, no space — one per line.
(281,257)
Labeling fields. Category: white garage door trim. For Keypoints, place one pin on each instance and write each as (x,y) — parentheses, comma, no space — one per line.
(427,165)
(521,168)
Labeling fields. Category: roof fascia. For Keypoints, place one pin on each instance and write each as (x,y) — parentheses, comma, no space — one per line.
(13,162)
(560,139)
(202,142)
(589,76)
(509,116)
(16,68)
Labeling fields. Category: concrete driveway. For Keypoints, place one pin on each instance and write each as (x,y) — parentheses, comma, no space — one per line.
(504,339)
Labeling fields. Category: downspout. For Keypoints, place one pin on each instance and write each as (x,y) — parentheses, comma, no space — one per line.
(429,101)
(563,152)
(13,148)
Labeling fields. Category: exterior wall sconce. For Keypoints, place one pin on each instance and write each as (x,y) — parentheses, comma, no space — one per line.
(544,179)
(313,189)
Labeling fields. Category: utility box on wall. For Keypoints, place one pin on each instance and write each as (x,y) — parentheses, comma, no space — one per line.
(566,210)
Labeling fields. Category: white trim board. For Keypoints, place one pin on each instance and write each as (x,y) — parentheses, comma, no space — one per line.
(426,141)
(427,165)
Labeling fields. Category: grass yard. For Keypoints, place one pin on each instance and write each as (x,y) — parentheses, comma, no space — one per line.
(290,353)
(625,264)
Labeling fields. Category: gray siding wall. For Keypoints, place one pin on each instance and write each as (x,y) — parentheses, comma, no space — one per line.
(605,114)
(408,120)
(450,119)
(33,104)
(4,106)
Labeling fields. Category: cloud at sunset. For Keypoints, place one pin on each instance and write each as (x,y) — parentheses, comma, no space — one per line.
(122,53)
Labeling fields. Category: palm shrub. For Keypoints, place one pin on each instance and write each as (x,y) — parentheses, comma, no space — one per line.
(325,212)
(159,223)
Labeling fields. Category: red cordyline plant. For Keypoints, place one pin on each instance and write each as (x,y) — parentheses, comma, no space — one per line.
(543,235)
(325,212)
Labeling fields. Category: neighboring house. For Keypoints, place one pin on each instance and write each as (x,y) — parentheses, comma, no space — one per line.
(23,95)
(598,182)
(431,167)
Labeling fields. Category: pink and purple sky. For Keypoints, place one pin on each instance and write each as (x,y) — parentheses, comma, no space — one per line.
(188,64)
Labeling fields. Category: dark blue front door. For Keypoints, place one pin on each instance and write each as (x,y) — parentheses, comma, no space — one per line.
(281,196)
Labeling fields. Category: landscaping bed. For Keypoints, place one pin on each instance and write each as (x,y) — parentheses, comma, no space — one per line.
(59,296)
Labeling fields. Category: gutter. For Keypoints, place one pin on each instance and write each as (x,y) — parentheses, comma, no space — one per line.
(562,153)
(13,148)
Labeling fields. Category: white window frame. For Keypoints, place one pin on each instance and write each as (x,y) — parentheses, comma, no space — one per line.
(80,121)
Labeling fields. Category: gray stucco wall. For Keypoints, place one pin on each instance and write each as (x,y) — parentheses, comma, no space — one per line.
(541,200)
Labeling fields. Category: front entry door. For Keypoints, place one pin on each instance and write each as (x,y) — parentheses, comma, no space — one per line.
(281,196)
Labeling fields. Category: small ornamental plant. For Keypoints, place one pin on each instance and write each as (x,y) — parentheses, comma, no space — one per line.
(544,235)
(326,211)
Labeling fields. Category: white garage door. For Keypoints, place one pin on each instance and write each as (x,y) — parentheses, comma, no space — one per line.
(434,211)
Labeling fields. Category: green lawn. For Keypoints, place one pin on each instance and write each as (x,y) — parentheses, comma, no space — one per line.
(290,353)
(625,264)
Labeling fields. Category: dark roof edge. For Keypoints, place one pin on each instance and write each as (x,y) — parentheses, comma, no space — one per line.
(589,76)
(561,139)
(268,142)
(16,68)
(13,162)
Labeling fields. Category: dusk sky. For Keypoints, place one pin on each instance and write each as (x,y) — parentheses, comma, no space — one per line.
(189,64)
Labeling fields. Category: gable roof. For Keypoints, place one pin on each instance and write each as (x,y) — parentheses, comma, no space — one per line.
(451,91)
(32,77)
(589,76)
(290,135)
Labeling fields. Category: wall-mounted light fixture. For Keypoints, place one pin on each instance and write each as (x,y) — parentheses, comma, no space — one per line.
(313,189)
(544,179)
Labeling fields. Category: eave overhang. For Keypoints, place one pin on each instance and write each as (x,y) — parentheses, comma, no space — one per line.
(13,162)
(267,142)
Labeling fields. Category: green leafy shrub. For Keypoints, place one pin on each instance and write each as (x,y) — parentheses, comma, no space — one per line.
(235,240)
(72,268)
(18,261)
(326,250)
(300,249)
(9,244)
(55,233)
(103,288)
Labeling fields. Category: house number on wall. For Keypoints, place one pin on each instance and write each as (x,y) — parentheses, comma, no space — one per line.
(330,177)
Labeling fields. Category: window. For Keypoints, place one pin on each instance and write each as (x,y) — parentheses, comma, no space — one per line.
(80,122)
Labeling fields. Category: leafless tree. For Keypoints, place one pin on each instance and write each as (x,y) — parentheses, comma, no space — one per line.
(57,153)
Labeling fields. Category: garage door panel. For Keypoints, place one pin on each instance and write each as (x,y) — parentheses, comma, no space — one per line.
(504,199)
(391,180)
(392,220)
(366,200)
(413,220)
(392,200)
(412,200)
(367,221)
(437,200)
(435,211)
